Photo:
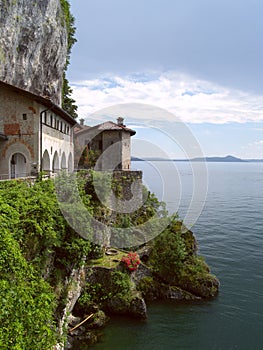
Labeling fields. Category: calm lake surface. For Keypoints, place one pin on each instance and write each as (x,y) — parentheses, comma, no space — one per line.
(229,232)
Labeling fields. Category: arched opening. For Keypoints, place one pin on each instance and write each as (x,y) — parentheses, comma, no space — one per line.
(63,161)
(18,165)
(70,163)
(46,162)
(55,165)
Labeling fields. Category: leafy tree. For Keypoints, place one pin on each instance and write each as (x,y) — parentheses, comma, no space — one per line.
(35,241)
(168,254)
(27,301)
(68,103)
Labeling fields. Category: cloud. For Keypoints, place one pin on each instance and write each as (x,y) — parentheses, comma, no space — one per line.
(253,149)
(190,99)
(258,143)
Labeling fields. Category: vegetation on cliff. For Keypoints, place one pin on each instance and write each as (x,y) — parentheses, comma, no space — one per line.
(174,258)
(39,250)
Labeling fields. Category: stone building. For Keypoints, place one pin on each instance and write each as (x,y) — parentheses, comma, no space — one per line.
(109,142)
(35,134)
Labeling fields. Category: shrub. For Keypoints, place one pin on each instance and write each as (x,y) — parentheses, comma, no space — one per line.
(115,284)
(148,286)
(168,254)
(27,301)
(131,261)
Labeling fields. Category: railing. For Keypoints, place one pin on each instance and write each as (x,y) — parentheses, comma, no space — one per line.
(23,176)
(4,177)
(45,175)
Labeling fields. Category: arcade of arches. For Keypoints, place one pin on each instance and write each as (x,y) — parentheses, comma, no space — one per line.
(56,163)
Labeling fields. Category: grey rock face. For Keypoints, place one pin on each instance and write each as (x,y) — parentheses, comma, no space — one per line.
(33,46)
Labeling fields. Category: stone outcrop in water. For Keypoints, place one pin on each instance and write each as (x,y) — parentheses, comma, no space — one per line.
(33,46)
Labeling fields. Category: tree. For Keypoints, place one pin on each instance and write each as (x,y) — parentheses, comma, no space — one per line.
(68,103)
(168,255)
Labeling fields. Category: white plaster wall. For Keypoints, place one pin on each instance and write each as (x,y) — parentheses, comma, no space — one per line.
(55,141)
(126,151)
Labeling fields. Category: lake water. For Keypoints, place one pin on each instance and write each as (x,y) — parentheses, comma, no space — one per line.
(229,232)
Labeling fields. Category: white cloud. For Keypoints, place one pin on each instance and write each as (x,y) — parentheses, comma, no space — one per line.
(253,150)
(190,99)
(258,143)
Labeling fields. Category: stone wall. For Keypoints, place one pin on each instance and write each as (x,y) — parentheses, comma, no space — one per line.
(128,185)
(27,141)
(20,123)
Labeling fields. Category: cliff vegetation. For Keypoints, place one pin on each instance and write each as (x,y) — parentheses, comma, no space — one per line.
(40,253)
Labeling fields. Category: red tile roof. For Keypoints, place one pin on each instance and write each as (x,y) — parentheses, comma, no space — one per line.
(109,125)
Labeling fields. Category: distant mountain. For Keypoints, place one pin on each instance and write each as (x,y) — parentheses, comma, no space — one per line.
(136,159)
(227,159)
(219,159)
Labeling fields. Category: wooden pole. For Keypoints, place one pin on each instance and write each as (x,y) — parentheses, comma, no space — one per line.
(78,325)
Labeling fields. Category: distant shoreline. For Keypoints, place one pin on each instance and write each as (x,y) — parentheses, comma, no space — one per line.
(226,159)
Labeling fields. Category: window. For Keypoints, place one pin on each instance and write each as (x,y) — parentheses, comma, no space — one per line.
(24,116)
(44,118)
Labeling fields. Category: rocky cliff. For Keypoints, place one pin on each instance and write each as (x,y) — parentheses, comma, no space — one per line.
(33,46)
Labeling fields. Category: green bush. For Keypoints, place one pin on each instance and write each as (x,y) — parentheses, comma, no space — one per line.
(27,301)
(117,284)
(35,241)
(147,286)
(196,278)
(168,255)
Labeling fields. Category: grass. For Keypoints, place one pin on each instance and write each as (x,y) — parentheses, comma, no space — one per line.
(109,261)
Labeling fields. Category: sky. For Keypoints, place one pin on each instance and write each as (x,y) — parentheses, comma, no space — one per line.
(186,75)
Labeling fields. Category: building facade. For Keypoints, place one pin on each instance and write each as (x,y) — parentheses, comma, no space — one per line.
(109,143)
(35,134)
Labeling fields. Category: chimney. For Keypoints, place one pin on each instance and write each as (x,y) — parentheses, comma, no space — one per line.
(120,121)
(81,122)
